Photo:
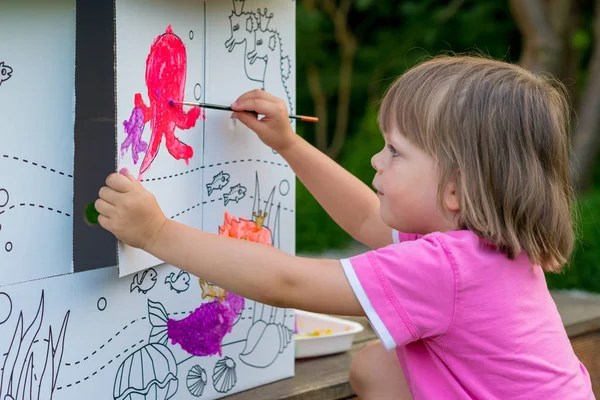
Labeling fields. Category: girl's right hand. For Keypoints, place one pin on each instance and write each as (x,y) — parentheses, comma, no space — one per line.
(274,128)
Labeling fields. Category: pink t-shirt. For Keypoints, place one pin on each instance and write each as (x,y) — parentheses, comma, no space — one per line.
(466,321)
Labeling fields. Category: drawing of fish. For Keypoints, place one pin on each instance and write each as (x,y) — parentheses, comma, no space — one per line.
(145,281)
(236,193)
(219,182)
(179,283)
(5,72)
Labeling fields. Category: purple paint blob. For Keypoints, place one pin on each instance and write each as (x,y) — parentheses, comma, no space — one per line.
(202,332)
(134,128)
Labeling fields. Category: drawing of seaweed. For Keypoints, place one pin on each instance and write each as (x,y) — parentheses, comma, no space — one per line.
(18,369)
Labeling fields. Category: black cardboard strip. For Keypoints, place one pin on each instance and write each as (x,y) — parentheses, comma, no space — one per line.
(95,150)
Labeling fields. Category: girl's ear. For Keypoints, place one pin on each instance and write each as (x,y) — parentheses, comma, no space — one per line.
(451,196)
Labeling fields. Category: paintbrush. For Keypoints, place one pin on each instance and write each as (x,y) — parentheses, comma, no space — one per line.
(226,108)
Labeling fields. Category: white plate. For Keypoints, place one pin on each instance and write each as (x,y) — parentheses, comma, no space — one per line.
(339,340)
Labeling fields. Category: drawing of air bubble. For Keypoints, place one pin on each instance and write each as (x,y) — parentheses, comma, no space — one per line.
(196,380)
(284,187)
(224,376)
(8,247)
(5,307)
(3,198)
(198,91)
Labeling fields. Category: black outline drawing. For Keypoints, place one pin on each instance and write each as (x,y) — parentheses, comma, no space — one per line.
(199,87)
(7,197)
(284,182)
(243,26)
(241,192)
(196,380)
(138,281)
(9,307)
(138,374)
(224,375)
(268,326)
(260,42)
(42,166)
(179,283)
(100,308)
(219,181)
(19,370)
(5,72)
(8,247)
(259,351)
(191,35)
(267,212)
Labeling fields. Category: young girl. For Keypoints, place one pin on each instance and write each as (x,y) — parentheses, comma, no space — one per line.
(473,203)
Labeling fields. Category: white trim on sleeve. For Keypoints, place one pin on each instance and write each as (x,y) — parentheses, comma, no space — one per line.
(395,236)
(376,322)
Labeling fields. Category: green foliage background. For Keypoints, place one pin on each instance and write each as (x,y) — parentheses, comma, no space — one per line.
(392,36)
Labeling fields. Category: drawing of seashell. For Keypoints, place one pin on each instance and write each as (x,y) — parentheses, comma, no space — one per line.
(196,380)
(261,349)
(148,374)
(224,376)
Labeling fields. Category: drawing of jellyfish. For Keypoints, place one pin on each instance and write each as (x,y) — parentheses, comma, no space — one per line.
(166,69)
(196,380)
(224,375)
(24,379)
(5,72)
(149,373)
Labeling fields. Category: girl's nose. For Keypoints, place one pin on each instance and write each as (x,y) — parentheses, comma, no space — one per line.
(374,161)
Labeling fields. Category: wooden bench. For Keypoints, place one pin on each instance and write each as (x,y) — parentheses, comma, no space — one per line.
(326,378)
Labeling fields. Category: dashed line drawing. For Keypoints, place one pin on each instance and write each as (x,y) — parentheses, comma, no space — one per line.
(93,353)
(37,165)
(219,181)
(39,206)
(144,281)
(189,171)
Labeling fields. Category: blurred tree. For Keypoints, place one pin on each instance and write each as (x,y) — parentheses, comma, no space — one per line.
(554,38)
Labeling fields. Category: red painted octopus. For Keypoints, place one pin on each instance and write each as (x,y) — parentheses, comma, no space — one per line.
(166,67)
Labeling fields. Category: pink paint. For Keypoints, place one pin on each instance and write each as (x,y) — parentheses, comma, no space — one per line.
(166,68)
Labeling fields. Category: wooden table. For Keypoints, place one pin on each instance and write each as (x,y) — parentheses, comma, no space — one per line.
(326,378)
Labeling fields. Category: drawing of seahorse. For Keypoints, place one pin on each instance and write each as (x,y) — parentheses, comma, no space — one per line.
(268,46)
(243,26)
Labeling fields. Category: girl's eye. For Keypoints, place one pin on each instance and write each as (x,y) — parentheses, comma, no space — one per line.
(392,150)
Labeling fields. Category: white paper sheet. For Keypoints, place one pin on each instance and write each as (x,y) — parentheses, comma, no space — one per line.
(230,47)
(37,117)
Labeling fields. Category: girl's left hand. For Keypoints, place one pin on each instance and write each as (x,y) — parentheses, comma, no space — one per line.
(129,211)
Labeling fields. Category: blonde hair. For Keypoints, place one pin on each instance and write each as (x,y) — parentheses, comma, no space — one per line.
(501,133)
